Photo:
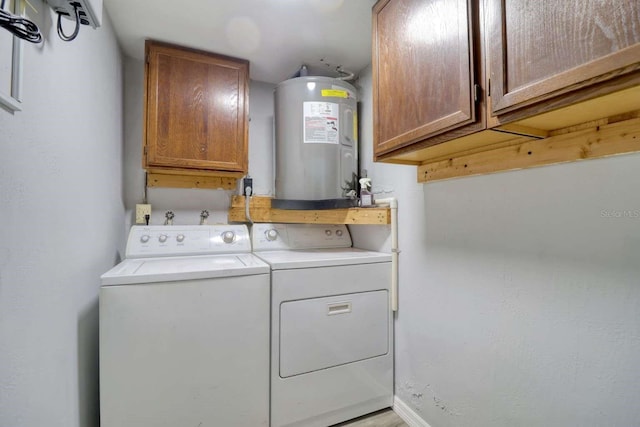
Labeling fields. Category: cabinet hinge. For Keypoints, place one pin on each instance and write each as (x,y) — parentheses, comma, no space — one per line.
(477,92)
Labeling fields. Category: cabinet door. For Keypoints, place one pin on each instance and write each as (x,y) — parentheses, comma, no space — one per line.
(197,108)
(422,70)
(544,48)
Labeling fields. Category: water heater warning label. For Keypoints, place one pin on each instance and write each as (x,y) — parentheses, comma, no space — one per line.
(321,123)
(335,93)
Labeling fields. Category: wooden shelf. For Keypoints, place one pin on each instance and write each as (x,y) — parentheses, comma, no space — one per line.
(600,138)
(261,211)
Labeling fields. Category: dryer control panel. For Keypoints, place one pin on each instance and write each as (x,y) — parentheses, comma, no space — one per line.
(268,236)
(176,240)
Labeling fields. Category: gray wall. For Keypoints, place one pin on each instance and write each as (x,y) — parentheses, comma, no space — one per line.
(519,292)
(61,225)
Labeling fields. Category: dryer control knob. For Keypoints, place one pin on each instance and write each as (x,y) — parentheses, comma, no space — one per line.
(144,238)
(272,234)
(228,236)
(180,238)
(339,233)
(162,238)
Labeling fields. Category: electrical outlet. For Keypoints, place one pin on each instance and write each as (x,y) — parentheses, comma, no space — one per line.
(247,186)
(141,211)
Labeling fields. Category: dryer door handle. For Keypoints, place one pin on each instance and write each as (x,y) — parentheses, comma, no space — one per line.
(339,308)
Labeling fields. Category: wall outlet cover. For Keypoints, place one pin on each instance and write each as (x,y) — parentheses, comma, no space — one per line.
(141,211)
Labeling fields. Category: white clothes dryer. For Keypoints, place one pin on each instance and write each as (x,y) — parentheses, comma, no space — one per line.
(184,330)
(331,325)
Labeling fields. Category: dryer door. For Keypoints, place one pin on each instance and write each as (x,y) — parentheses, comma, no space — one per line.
(320,333)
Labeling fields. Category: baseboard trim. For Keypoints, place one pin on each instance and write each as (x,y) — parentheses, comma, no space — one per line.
(407,414)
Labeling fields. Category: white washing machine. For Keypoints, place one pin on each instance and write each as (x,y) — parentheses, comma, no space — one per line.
(331,325)
(184,330)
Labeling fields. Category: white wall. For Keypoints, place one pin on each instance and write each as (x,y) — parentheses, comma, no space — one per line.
(60,225)
(188,203)
(519,292)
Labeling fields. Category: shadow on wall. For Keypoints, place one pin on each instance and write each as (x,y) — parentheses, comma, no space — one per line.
(88,366)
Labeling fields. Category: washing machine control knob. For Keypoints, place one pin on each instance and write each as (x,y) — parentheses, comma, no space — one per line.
(162,238)
(272,234)
(228,236)
(339,233)
(327,232)
(180,238)
(144,238)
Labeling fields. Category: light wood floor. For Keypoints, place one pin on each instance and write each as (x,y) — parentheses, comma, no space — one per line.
(384,418)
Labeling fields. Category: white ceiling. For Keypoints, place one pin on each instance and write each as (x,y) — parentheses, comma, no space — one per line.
(276,36)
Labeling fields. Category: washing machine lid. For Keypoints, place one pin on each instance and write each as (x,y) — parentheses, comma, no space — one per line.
(309,258)
(166,269)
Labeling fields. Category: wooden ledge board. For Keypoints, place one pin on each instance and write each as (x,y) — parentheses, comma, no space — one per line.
(597,141)
(190,181)
(261,211)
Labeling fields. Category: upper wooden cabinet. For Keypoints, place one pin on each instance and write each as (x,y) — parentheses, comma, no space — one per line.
(458,77)
(540,49)
(196,111)
(424,74)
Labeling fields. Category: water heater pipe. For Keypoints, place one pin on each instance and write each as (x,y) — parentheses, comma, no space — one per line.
(348,75)
(395,251)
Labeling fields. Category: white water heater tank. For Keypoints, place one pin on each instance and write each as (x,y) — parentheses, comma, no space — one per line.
(316,127)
